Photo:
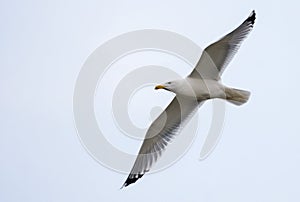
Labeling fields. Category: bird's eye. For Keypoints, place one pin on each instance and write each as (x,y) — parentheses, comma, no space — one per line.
(169,82)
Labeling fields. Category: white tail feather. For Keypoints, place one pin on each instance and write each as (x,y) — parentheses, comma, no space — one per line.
(236,96)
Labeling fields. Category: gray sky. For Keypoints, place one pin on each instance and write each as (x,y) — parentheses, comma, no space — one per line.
(43,46)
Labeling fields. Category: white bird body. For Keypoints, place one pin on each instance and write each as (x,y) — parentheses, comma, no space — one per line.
(204,89)
(201,89)
(201,84)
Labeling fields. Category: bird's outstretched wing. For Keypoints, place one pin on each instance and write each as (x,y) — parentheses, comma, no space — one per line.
(216,56)
(160,133)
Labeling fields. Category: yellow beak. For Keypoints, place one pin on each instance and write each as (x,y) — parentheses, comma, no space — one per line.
(159,87)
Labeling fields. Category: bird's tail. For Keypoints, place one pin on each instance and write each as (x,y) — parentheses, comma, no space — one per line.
(236,96)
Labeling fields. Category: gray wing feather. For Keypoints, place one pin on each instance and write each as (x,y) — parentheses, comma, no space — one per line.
(160,133)
(217,56)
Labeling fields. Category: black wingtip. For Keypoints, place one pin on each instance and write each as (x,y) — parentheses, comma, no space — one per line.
(131,179)
(252,17)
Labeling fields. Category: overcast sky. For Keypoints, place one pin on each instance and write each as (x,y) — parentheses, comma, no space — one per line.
(43,47)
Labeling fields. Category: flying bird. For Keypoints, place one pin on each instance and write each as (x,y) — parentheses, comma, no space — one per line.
(202,84)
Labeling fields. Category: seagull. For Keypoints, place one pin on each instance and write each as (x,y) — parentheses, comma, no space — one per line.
(202,84)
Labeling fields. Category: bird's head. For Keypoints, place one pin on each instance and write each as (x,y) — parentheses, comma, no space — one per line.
(169,86)
(181,87)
